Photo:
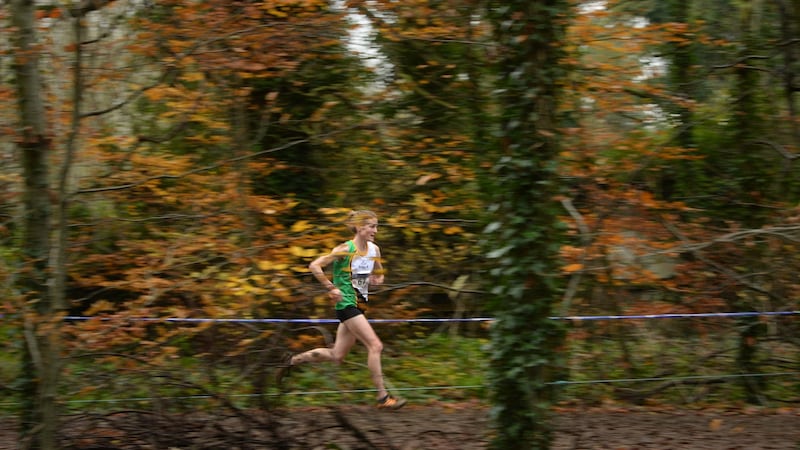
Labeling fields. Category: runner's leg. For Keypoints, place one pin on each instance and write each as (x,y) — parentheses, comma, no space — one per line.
(360,328)
(341,346)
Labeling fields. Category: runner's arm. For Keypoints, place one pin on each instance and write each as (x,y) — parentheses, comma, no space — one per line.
(317,266)
(376,277)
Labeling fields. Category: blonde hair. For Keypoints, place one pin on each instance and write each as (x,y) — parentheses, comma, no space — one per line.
(358,218)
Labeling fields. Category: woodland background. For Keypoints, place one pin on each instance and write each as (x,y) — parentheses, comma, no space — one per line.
(187,159)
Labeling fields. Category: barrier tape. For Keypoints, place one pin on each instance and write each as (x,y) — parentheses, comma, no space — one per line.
(440,320)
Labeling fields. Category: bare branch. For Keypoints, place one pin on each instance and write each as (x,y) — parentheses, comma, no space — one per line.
(193,171)
(778,148)
(695,250)
(86,6)
(213,166)
(739,62)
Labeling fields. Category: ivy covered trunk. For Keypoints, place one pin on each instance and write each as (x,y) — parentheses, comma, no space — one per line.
(523,233)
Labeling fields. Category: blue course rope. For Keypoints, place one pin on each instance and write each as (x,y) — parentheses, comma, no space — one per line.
(681,316)
(440,320)
(436,320)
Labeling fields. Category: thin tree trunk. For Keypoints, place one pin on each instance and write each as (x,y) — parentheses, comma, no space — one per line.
(40,369)
(790,49)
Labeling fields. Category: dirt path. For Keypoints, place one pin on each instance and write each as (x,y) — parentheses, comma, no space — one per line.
(466,429)
(685,430)
(457,427)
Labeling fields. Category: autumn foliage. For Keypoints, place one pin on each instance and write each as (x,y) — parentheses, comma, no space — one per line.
(204,152)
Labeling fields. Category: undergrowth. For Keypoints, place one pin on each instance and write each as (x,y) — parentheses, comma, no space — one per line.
(424,367)
(433,368)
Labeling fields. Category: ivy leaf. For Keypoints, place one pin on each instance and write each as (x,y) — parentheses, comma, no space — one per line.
(500,252)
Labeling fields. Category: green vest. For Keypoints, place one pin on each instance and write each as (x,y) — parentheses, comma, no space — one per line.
(342,279)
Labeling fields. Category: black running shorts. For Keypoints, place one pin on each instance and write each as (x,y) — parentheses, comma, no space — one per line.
(348,312)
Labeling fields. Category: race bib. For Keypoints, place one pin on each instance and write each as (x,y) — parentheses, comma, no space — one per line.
(361,282)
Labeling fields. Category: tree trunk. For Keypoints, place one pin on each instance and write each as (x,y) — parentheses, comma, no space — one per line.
(40,359)
(790,50)
(523,237)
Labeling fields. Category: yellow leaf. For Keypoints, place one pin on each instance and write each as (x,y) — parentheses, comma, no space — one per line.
(424,179)
(330,211)
(268,265)
(571,268)
(302,252)
(192,76)
(453,230)
(154,94)
(301,225)
(102,305)
(87,389)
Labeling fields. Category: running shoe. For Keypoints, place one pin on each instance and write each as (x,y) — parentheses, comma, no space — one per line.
(391,402)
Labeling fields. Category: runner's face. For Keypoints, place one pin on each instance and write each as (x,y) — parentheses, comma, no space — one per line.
(369,229)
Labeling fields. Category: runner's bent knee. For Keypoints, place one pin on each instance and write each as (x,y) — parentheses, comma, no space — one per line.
(375,346)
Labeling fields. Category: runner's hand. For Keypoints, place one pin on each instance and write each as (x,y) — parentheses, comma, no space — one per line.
(335,294)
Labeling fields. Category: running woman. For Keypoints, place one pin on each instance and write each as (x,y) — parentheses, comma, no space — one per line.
(356,266)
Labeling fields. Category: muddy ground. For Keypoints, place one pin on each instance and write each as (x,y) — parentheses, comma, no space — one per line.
(461,426)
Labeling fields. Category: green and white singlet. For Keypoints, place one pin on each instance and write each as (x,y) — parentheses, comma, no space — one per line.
(352,272)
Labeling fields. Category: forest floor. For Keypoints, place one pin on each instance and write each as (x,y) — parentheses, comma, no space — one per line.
(463,426)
